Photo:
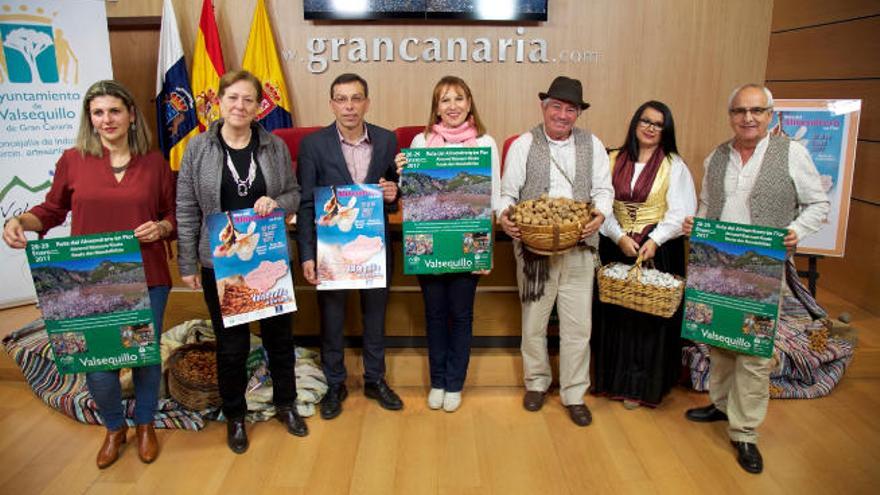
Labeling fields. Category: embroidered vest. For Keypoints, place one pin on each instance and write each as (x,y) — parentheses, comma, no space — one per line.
(538,167)
(773,201)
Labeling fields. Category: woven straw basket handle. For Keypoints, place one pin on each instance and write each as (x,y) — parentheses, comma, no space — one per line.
(636,269)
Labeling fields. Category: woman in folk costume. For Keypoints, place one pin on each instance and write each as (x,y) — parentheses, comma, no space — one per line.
(638,355)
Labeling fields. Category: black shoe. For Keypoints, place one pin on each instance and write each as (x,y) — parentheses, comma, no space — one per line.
(706,414)
(296,425)
(331,404)
(236,435)
(383,395)
(748,456)
(580,414)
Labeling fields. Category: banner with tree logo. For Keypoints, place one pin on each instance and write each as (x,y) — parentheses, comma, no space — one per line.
(51,51)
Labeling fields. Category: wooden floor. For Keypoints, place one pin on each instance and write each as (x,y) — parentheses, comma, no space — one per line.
(491,445)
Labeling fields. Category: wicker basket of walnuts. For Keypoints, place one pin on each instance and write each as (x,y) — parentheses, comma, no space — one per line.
(550,225)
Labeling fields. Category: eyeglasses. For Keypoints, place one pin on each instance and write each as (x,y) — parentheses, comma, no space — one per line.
(740,112)
(354,99)
(649,124)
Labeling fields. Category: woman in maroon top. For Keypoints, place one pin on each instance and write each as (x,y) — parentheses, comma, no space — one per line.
(110,181)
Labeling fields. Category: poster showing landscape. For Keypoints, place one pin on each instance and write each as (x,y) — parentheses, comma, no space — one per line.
(350,226)
(93,295)
(734,283)
(446,195)
(251,264)
(828,130)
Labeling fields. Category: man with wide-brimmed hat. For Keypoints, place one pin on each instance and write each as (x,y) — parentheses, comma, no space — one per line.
(560,160)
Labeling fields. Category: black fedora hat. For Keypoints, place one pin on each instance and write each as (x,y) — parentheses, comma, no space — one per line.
(566,89)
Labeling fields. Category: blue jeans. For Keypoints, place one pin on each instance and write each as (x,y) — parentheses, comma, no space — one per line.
(104,385)
(449,316)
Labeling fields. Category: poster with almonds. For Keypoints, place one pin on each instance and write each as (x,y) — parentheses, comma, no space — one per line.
(350,223)
(251,264)
(828,129)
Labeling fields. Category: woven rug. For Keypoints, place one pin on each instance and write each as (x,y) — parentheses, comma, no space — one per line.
(29,348)
(809,362)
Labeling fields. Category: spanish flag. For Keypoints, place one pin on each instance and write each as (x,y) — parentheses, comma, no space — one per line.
(207,68)
(261,59)
(175,109)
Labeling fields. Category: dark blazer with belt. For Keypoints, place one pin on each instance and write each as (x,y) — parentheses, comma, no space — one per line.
(321,163)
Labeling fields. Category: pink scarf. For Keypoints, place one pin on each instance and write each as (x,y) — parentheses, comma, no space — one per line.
(440,135)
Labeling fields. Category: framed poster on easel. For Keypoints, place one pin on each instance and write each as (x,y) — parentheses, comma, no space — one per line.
(828,129)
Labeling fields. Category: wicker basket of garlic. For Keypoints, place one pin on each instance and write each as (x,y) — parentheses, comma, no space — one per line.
(641,289)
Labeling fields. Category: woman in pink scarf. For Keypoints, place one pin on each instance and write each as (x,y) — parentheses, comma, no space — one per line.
(449,298)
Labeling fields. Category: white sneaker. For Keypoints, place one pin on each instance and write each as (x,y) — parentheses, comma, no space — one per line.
(451,401)
(436,398)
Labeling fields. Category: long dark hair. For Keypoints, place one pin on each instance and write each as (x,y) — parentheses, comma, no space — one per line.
(667,136)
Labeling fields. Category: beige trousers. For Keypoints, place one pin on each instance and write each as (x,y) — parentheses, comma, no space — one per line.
(570,286)
(740,386)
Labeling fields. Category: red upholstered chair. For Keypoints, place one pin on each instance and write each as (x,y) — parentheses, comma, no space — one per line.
(292,136)
(507,143)
(406,134)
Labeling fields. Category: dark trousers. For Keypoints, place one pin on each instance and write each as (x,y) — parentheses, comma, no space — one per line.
(449,316)
(233,347)
(331,305)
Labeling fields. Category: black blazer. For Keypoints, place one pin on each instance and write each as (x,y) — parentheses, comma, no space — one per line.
(320,163)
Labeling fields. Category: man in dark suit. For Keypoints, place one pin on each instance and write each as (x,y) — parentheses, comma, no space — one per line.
(348,151)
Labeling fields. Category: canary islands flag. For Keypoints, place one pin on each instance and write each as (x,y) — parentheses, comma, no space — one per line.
(175,111)
(207,68)
(261,59)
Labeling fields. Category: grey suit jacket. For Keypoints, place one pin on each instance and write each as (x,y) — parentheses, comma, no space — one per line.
(198,190)
(321,163)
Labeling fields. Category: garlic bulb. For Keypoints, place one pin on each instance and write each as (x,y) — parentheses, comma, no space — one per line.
(648,276)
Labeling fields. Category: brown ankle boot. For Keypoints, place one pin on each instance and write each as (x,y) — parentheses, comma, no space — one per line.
(110,449)
(148,446)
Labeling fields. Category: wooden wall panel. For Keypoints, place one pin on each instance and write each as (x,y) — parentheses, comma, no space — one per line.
(831,52)
(138,73)
(792,14)
(867,90)
(688,54)
(866,177)
(836,51)
(855,277)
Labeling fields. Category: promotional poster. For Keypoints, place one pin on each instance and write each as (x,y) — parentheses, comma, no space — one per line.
(734,286)
(350,224)
(447,210)
(251,264)
(828,130)
(93,295)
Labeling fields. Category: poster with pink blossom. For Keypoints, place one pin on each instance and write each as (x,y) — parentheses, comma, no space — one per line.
(93,296)
(350,226)
(446,195)
(734,286)
(251,265)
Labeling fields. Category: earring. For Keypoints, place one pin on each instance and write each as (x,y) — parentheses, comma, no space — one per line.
(132,126)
